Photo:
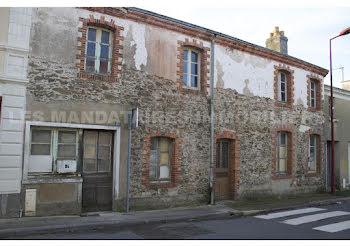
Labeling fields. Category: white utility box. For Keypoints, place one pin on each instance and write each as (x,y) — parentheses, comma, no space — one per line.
(66,166)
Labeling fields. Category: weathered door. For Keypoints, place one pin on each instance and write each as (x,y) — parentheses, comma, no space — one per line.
(222,189)
(97,170)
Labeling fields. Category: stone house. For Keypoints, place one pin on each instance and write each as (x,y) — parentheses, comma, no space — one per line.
(15,26)
(88,66)
(341,102)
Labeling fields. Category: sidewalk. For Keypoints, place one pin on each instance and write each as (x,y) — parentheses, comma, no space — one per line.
(27,226)
(41,225)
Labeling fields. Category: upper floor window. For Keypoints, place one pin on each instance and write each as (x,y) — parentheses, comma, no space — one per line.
(191,68)
(98,52)
(282,87)
(314,94)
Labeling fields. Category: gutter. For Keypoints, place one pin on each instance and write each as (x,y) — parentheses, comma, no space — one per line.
(211,175)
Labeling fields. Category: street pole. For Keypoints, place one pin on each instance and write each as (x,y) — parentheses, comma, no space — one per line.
(332,123)
(344,32)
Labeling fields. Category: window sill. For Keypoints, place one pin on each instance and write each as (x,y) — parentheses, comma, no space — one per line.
(282,176)
(313,109)
(159,185)
(96,76)
(312,174)
(283,104)
(53,180)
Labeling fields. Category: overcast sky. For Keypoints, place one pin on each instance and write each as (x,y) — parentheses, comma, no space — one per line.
(308,24)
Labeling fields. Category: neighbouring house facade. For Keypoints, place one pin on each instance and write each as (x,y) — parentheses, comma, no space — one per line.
(15,24)
(88,66)
(341,101)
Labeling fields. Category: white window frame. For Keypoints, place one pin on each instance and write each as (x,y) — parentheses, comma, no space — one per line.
(189,62)
(116,153)
(315,153)
(53,149)
(278,151)
(280,87)
(98,44)
(313,94)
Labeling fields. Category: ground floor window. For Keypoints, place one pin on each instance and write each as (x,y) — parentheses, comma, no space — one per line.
(161,159)
(50,145)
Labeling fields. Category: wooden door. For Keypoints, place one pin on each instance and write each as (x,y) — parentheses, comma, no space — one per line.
(222,188)
(97,170)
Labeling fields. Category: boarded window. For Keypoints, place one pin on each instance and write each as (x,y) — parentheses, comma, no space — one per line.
(160,158)
(282,158)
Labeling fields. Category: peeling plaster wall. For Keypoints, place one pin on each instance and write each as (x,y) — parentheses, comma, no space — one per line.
(252,75)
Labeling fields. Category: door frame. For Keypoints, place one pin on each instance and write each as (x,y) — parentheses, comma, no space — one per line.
(233,161)
(116,150)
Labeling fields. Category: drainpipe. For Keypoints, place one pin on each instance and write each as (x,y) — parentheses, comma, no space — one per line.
(212,119)
(128,168)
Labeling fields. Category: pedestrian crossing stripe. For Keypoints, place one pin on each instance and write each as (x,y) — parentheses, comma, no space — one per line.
(289,213)
(336,227)
(314,217)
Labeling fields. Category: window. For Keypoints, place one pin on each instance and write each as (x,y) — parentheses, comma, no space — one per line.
(282,152)
(282,87)
(222,154)
(50,145)
(98,51)
(97,151)
(160,159)
(313,94)
(41,142)
(191,69)
(312,153)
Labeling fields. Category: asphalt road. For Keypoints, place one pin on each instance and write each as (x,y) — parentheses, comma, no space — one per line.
(289,224)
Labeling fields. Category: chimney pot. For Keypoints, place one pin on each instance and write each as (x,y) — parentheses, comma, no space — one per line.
(277,41)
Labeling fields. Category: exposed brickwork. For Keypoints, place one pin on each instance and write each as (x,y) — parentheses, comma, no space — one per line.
(233,162)
(117,57)
(318,90)
(319,152)
(290,85)
(204,63)
(235,44)
(175,163)
(290,150)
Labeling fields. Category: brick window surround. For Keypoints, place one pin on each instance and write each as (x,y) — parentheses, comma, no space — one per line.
(204,62)
(290,85)
(318,91)
(290,150)
(319,153)
(117,57)
(233,162)
(175,164)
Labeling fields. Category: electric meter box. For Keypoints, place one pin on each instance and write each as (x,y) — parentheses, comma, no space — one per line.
(66,166)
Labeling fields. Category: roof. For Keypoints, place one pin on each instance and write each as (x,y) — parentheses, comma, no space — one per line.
(150,13)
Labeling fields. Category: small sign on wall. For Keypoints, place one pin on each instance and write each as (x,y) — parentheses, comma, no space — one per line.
(66,166)
(30,202)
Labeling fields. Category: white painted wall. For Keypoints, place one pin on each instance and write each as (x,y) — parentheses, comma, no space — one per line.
(13,91)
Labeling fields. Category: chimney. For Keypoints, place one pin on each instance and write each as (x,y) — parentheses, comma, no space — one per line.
(345,85)
(277,41)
